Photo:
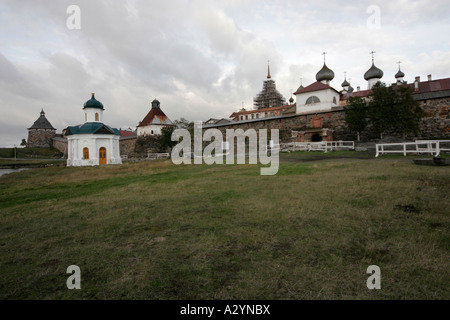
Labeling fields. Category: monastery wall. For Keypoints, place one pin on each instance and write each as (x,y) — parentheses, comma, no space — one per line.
(60,143)
(436,125)
(126,145)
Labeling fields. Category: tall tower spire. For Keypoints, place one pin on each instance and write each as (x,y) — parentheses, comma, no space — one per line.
(269,96)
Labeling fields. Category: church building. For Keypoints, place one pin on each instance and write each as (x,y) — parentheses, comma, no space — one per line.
(92,143)
(318,114)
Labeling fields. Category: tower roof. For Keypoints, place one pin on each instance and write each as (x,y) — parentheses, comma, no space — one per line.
(269,95)
(93,103)
(155,116)
(42,122)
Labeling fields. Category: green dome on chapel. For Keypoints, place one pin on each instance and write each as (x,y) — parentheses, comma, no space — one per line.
(93,103)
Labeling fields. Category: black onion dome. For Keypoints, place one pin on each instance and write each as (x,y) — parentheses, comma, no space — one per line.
(373,73)
(325,74)
(399,74)
(345,83)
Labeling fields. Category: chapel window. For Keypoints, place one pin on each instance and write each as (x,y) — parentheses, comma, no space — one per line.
(312,99)
(85,153)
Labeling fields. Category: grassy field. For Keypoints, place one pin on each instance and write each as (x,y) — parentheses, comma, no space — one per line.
(153,230)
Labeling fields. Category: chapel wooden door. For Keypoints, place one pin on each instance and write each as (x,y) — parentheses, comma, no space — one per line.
(102,155)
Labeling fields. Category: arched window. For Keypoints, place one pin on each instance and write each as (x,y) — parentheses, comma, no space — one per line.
(85,116)
(334,100)
(312,99)
(85,153)
(96,117)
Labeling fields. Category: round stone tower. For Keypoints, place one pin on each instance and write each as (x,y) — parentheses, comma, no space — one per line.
(41,133)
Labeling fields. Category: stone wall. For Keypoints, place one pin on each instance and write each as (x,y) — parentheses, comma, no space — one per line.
(60,143)
(126,145)
(435,125)
(40,138)
(333,120)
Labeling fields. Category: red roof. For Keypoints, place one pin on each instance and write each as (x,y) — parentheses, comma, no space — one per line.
(433,85)
(361,93)
(235,114)
(126,133)
(155,116)
(316,86)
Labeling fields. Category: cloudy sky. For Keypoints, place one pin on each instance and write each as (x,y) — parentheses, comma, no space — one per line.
(200,59)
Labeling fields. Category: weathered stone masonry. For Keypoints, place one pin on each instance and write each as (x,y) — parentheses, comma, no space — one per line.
(436,124)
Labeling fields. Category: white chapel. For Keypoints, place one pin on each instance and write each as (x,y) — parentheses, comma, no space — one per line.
(93,143)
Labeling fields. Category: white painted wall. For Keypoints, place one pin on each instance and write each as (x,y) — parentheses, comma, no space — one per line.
(89,115)
(147,130)
(94,142)
(325,97)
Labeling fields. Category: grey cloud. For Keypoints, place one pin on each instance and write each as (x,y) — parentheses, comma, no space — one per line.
(200,58)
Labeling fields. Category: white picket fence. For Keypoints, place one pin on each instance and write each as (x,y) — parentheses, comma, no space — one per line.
(433,147)
(324,146)
(155,156)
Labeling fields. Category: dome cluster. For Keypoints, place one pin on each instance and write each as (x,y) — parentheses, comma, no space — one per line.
(372,75)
